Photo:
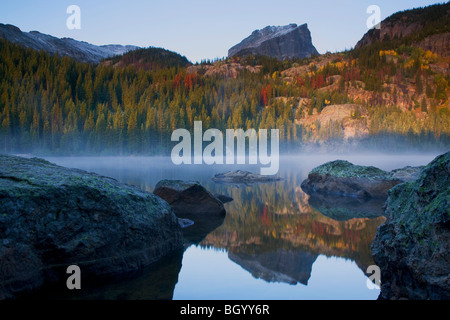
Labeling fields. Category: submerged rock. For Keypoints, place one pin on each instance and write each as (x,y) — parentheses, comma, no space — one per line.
(52,217)
(244,177)
(346,179)
(412,247)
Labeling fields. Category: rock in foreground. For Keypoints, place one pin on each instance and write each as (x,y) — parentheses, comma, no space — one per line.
(412,247)
(192,202)
(343,178)
(52,217)
(189,198)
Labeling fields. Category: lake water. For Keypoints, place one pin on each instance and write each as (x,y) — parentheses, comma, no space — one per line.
(275,241)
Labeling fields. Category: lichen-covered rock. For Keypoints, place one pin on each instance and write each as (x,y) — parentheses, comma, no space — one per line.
(346,179)
(52,217)
(412,247)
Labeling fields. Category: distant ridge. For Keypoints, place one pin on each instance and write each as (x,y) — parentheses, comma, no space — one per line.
(78,50)
(148,59)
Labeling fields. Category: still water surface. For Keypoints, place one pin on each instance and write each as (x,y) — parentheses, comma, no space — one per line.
(275,242)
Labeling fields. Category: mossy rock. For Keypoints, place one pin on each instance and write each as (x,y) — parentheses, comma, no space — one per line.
(343,178)
(53,217)
(412,247)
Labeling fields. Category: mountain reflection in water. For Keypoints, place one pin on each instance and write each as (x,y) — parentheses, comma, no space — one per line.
(272,232)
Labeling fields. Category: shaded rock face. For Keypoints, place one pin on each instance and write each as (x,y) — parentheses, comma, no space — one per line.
(242,177)
(52,217)
(189,198)
(282,42)
(412,247)
(346,179)
(413,23)
(343,114)
(192,202)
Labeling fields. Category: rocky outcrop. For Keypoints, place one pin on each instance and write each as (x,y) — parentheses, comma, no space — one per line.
(52,217)
(243,177)
(414,24)
(343,178)
(282,42)
(412,247)
(189,198)
(337,207)
(437,43)
(223,68)
(346,120)
(192,202)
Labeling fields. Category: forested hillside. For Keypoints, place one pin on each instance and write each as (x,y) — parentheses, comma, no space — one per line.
(130,105)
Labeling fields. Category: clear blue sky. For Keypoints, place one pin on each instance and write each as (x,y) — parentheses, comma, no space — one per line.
(199,29)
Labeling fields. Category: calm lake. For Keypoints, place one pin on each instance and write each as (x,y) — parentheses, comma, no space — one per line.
(275,242)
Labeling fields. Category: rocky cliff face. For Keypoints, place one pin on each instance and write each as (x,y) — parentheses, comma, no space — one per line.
(79,50)
(412,247)
(282,42)
(415,24)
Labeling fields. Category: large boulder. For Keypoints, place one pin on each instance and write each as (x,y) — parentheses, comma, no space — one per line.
(343,178)
(412,247)
(189,198)
(192,202)
(52,217)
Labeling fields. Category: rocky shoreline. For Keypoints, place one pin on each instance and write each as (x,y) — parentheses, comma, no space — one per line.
(52,217)
(412,246)
(342,178)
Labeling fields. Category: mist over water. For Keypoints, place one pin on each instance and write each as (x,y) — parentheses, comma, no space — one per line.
(148,171)
(274,243)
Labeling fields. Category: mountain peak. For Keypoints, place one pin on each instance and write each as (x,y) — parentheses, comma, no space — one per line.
(283,42)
